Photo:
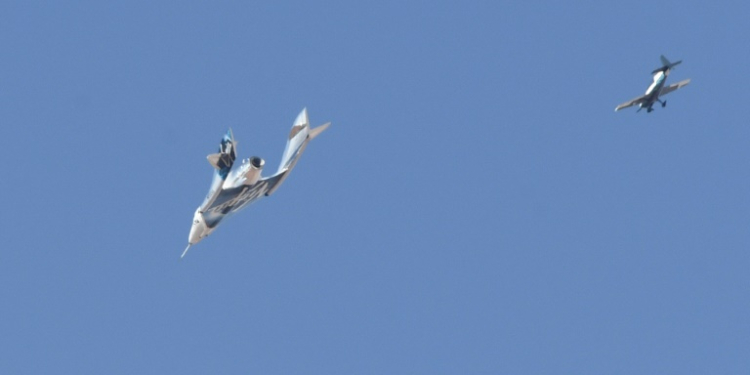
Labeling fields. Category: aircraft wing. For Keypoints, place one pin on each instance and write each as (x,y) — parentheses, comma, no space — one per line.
(631,103)
(666,90)
(234,199)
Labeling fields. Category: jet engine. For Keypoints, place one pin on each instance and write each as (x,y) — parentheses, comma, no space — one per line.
(253,169)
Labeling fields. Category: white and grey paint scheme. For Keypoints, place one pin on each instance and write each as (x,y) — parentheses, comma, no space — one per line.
(656,89)
(233,190)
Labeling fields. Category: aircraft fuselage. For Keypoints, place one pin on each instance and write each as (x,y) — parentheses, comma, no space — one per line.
(657,88)
(233,189)
(652,93)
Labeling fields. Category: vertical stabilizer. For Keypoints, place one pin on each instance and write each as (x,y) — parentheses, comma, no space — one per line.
(222,161)
(299,137)
(666,65)
(664,61)
(295,141)
(302,119)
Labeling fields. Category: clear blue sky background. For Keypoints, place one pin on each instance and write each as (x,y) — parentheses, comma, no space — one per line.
(476,206)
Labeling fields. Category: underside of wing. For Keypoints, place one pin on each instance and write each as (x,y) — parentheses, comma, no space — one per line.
(272,181)
(666,90)
(631,103)
(234,199)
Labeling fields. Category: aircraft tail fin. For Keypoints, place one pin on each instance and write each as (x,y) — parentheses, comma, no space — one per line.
(224,159)
(300,135)
(317,130)
(664,61)
(666,65)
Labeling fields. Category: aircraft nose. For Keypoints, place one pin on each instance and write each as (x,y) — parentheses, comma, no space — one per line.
(195,233)
(198,229)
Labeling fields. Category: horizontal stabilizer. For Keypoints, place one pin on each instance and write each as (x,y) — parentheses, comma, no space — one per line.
(666,65)
(314,132)
(300,135)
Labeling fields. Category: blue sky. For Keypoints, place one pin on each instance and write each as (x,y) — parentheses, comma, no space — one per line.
(476,206)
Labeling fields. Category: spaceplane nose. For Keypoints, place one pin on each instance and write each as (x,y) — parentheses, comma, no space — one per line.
(195,234)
